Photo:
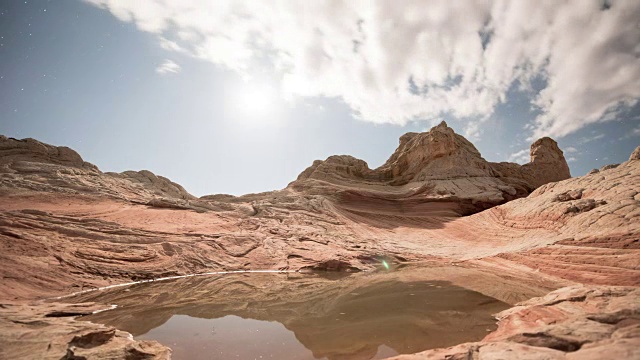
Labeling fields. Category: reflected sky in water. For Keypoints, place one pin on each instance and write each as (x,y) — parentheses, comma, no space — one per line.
(296,316)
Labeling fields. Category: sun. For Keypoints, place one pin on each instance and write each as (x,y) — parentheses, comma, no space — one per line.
(255,102)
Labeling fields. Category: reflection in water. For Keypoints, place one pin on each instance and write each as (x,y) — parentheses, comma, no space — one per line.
(296,316)
(228,337)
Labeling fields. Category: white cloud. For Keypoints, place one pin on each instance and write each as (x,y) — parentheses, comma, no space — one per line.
(571,159)
(589,139)
(570,150)
(396,61)
(633,133)
(170,45)
(520,157)
(168,67)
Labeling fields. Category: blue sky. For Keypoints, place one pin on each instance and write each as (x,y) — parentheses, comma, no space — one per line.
(129,92)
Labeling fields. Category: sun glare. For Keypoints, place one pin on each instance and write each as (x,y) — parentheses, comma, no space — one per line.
(255,102)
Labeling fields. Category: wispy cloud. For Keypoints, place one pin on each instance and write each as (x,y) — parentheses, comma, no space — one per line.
(570,150)
(588,139)
(397,61)
(168,67)
(633,133)
(520,157)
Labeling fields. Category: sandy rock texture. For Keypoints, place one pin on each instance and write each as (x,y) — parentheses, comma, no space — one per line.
(31,166)
(65,226)
(577,322)
(90,229)
(592,222)
(49,331)
(435,166)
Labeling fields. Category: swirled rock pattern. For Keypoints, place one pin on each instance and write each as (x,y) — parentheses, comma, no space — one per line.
(575,322)
(435,166)
(65,226)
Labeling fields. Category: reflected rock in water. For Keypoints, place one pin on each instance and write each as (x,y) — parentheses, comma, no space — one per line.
(347,318)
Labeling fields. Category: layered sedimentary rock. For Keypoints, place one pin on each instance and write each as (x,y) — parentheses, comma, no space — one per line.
(29,165)
(435,166)
(90,228)
(578,322)
(33,151)
(65,226)
(49,331)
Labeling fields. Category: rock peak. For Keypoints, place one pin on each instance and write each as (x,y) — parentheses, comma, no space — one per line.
(545,150)
(446,164)
(635,155)
(442,124)
(547,162)
(441,128)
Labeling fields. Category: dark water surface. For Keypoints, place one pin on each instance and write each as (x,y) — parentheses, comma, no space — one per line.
(298,316)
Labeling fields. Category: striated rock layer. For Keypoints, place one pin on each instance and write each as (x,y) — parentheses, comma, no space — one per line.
(65,226)
(438,166)
(575,322)
(49,331)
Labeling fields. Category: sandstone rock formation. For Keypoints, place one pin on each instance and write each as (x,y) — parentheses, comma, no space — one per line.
(65,226)
(578,322)
(29,165)
(49,331)
(635,155)
(32,151)
(435,166)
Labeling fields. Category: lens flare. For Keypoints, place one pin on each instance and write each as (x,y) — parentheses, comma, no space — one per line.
(384,263)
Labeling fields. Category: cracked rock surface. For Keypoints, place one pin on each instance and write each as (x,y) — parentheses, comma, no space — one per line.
(50,331)
(576,322)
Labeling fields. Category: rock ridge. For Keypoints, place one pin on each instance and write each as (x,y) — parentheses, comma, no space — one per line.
(31,164)
(444,165)
(65,226)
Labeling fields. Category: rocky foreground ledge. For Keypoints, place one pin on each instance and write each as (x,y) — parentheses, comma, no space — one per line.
(65,226)
(50,331)
(575,322)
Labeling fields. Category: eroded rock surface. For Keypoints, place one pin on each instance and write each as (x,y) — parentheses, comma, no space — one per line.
(65,226)
(31,166)
(435,166)
(50,331)
(578,322)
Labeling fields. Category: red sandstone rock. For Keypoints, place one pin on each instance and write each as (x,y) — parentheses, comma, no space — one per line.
(49,331)
(65,226)
(578,322)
